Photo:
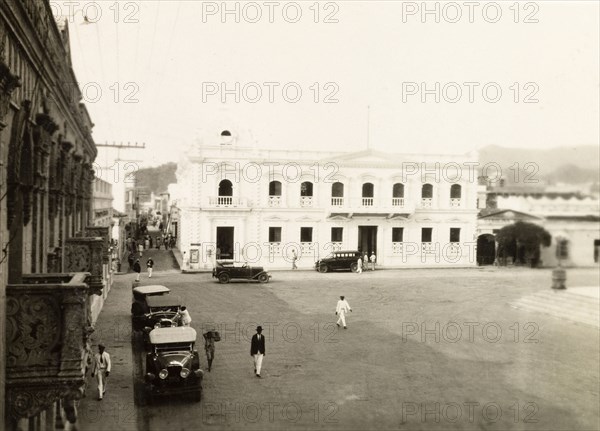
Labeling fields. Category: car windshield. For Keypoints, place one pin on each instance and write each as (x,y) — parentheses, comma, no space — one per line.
(173,347)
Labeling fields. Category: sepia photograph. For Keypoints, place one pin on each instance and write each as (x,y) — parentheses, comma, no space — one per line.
(399,200)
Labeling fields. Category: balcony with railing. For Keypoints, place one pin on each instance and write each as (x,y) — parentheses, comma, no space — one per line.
(426,202)
(307,248)
(428,248)
(306,201)
(368,202)
(397,202)
(226,202)
(397,248)
(47,341)
(455,202)
(337,202)
(274,248)
(274,201)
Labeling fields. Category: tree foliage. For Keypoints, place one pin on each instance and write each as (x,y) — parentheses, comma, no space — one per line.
(522,241)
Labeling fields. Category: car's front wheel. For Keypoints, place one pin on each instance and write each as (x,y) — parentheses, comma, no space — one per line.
(224,278)
(323,268)
(354,267)
(263,278)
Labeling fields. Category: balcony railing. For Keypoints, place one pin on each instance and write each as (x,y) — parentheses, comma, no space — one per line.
(397,247)
(47,334)
(397,202)
(426,202)
(306,201)
(225,202)
(336,245)
(274,248)
(337,202)
(307,248)
(427,247)
(455,202)
(368,202)
(274,201)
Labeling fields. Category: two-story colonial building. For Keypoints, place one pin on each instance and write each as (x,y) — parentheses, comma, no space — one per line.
(238,201)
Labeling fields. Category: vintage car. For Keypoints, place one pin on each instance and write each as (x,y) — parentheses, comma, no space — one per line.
(159,308)
(139,305)
(226,270)
(339,261)
(172,364)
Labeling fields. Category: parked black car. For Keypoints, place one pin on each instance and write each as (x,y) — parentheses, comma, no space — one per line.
(172,365)
(139,305)
(226,270)
(339,261)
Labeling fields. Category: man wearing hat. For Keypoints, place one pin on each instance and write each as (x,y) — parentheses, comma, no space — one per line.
(257,350)
(101,368)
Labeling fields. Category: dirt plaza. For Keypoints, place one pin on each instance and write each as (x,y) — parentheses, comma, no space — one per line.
(424,349)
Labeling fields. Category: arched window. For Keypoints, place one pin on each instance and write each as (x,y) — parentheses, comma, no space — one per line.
(225,188)
(225,133)
(398,195)
(337,194)
(427,191)
(368,191)
(306,189)
(274,194)
(455,191)
(274,188)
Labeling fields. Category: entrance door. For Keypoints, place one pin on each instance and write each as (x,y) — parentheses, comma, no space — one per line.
(486,249)
(225,242)
(367,239)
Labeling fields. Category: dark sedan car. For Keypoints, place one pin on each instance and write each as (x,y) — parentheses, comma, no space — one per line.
(226,270)
(339,261)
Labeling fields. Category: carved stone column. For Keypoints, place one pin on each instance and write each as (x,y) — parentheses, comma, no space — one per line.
(85,255)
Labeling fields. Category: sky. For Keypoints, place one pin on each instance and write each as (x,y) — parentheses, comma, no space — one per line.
(369,73)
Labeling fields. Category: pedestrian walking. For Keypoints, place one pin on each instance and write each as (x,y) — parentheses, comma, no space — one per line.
(209,346)
(150,265)
(184,315)
(130,260)
(373,259)
(141,248)
(101,369)
(359,264)
(365,262)
(257,350)
(341,309)
(138,269)
(294,259)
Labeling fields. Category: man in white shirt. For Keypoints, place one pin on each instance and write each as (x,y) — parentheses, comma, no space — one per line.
(341,309)
(373,260)
(186,319)
(101,368)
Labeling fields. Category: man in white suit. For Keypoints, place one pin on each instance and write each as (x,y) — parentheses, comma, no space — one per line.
(342,308)
(101,368)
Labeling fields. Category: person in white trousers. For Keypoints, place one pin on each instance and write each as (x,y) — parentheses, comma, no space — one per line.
(359,265)
(101,369)
(257,350)
(341,309)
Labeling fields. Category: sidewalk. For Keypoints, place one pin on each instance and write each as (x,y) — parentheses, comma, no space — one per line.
(117,410)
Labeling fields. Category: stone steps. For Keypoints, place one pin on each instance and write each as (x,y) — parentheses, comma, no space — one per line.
(563,304)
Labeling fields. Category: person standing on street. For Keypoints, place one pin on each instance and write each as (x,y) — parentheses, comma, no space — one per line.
(359,264)
(373,259)
(294,259)
(150,265)
(141,248)
(209,346)
(366,262)
(341,309)
(184,315)
(138,269)
(257,350)
(101,369)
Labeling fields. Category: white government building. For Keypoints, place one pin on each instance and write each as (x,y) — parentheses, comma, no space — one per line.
(238,201)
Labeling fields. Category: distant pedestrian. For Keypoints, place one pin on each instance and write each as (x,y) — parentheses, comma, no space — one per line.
(141,248)
(341,309)
(150,265)
(101,369)
(257,350)
(131,260)
(209,345)
(359,264)
(365,262)
(373,259)
(294,259)
(158,242)
(138,269)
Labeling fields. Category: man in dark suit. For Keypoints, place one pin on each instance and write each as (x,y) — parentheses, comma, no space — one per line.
(257,350)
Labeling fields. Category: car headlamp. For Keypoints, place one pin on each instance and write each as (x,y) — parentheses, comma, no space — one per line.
(184,373)
(163,374)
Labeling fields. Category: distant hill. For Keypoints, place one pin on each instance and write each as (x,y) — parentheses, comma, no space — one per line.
(156,179)
(569,165)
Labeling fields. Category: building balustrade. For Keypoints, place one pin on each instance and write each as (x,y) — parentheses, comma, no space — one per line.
(274,201)
(226,202)
(337,202)
(455,202)
(47,340)
(86,255)
(368,202)
(274,248)
(426,202)
(307,248)
(427,247)
(306,201)
(397,248)
(397,202)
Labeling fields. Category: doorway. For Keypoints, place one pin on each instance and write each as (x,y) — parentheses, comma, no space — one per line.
(367,239)
(224,242)
(486,249)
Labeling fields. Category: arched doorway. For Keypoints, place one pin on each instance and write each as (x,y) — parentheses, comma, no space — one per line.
(486,249)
